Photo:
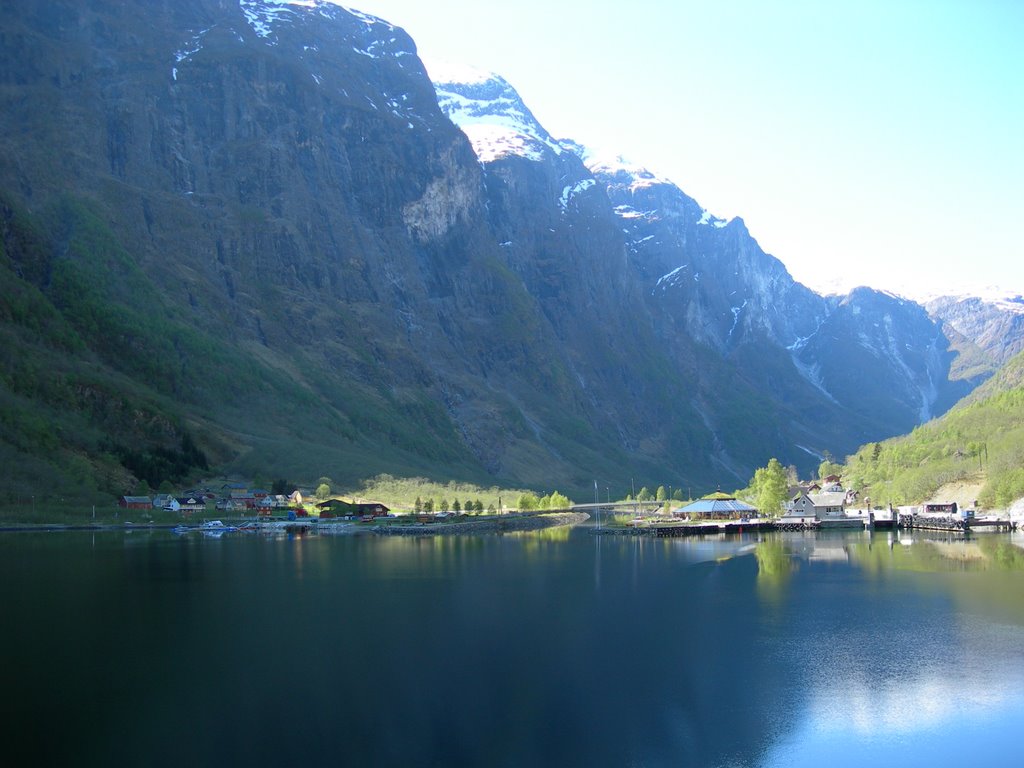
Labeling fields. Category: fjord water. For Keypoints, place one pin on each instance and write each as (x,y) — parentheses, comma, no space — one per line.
(553,648)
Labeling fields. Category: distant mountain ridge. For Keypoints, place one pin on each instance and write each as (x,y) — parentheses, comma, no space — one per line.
(246,234)
(995,325)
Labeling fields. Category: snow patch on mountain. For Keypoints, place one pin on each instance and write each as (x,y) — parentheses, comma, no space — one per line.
(187,51)
(615,166)
(572,190)
(671,278)
(263,15)
(707,219)
(629,212)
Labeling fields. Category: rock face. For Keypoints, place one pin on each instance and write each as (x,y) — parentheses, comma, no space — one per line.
(253,222)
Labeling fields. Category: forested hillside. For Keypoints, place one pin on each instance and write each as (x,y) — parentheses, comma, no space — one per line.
(981,439)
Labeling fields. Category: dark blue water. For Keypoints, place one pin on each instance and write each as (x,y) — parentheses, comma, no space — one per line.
(518,650)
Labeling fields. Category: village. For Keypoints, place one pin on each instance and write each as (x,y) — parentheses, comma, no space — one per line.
(815,505)
(237,499)
(812,505)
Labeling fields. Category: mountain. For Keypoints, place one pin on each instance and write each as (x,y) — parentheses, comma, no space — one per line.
(247,237)
(836,368)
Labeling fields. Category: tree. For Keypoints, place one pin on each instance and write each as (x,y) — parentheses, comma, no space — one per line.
(417,506)
(428,506)
(528,501)
(644,494)
(444,505)
(323,491)
(456,507)
(677,495)
(558,501)
(490,509)
(661,494)
(828,466)
(770,488)
(281,487)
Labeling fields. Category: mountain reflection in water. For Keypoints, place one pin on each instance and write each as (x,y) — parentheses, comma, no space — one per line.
(551,648)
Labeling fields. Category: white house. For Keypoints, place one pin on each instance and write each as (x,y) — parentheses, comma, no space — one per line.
(820,506)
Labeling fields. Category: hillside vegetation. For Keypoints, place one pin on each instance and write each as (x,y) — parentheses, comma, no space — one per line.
(982,438)
(105,383)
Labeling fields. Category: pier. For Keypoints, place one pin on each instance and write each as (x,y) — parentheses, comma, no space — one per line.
(664,529)
(990,524)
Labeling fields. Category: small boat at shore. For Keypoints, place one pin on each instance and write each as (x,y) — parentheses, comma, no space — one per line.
(217,525)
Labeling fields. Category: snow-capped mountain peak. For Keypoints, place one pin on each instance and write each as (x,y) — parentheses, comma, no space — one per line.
(636,181)
(490,112)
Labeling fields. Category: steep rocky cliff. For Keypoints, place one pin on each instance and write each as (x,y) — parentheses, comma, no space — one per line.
(245,234)
(807,373)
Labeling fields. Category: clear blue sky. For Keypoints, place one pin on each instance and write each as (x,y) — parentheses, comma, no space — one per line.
(875,142)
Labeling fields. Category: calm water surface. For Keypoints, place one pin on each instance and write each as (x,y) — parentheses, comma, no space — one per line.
(558,648)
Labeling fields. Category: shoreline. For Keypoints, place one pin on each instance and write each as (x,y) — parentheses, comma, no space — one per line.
(58,527)
(490,525)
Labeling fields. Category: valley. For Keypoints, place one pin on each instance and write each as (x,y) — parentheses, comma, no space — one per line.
(255,238)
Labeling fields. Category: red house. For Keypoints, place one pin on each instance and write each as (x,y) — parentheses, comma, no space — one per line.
(135,502)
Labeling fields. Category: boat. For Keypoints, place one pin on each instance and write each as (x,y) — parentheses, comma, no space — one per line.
(211,528)
(216,526)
